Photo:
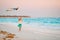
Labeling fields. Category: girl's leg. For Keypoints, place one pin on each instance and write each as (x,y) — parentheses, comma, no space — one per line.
(19,29)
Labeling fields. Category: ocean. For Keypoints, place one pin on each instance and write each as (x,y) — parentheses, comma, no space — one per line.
(40,20)
(49,22)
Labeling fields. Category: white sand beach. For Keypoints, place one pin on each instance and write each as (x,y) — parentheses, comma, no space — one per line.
(31,33)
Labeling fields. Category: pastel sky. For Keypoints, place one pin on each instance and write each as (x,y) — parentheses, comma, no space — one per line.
(34,8)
